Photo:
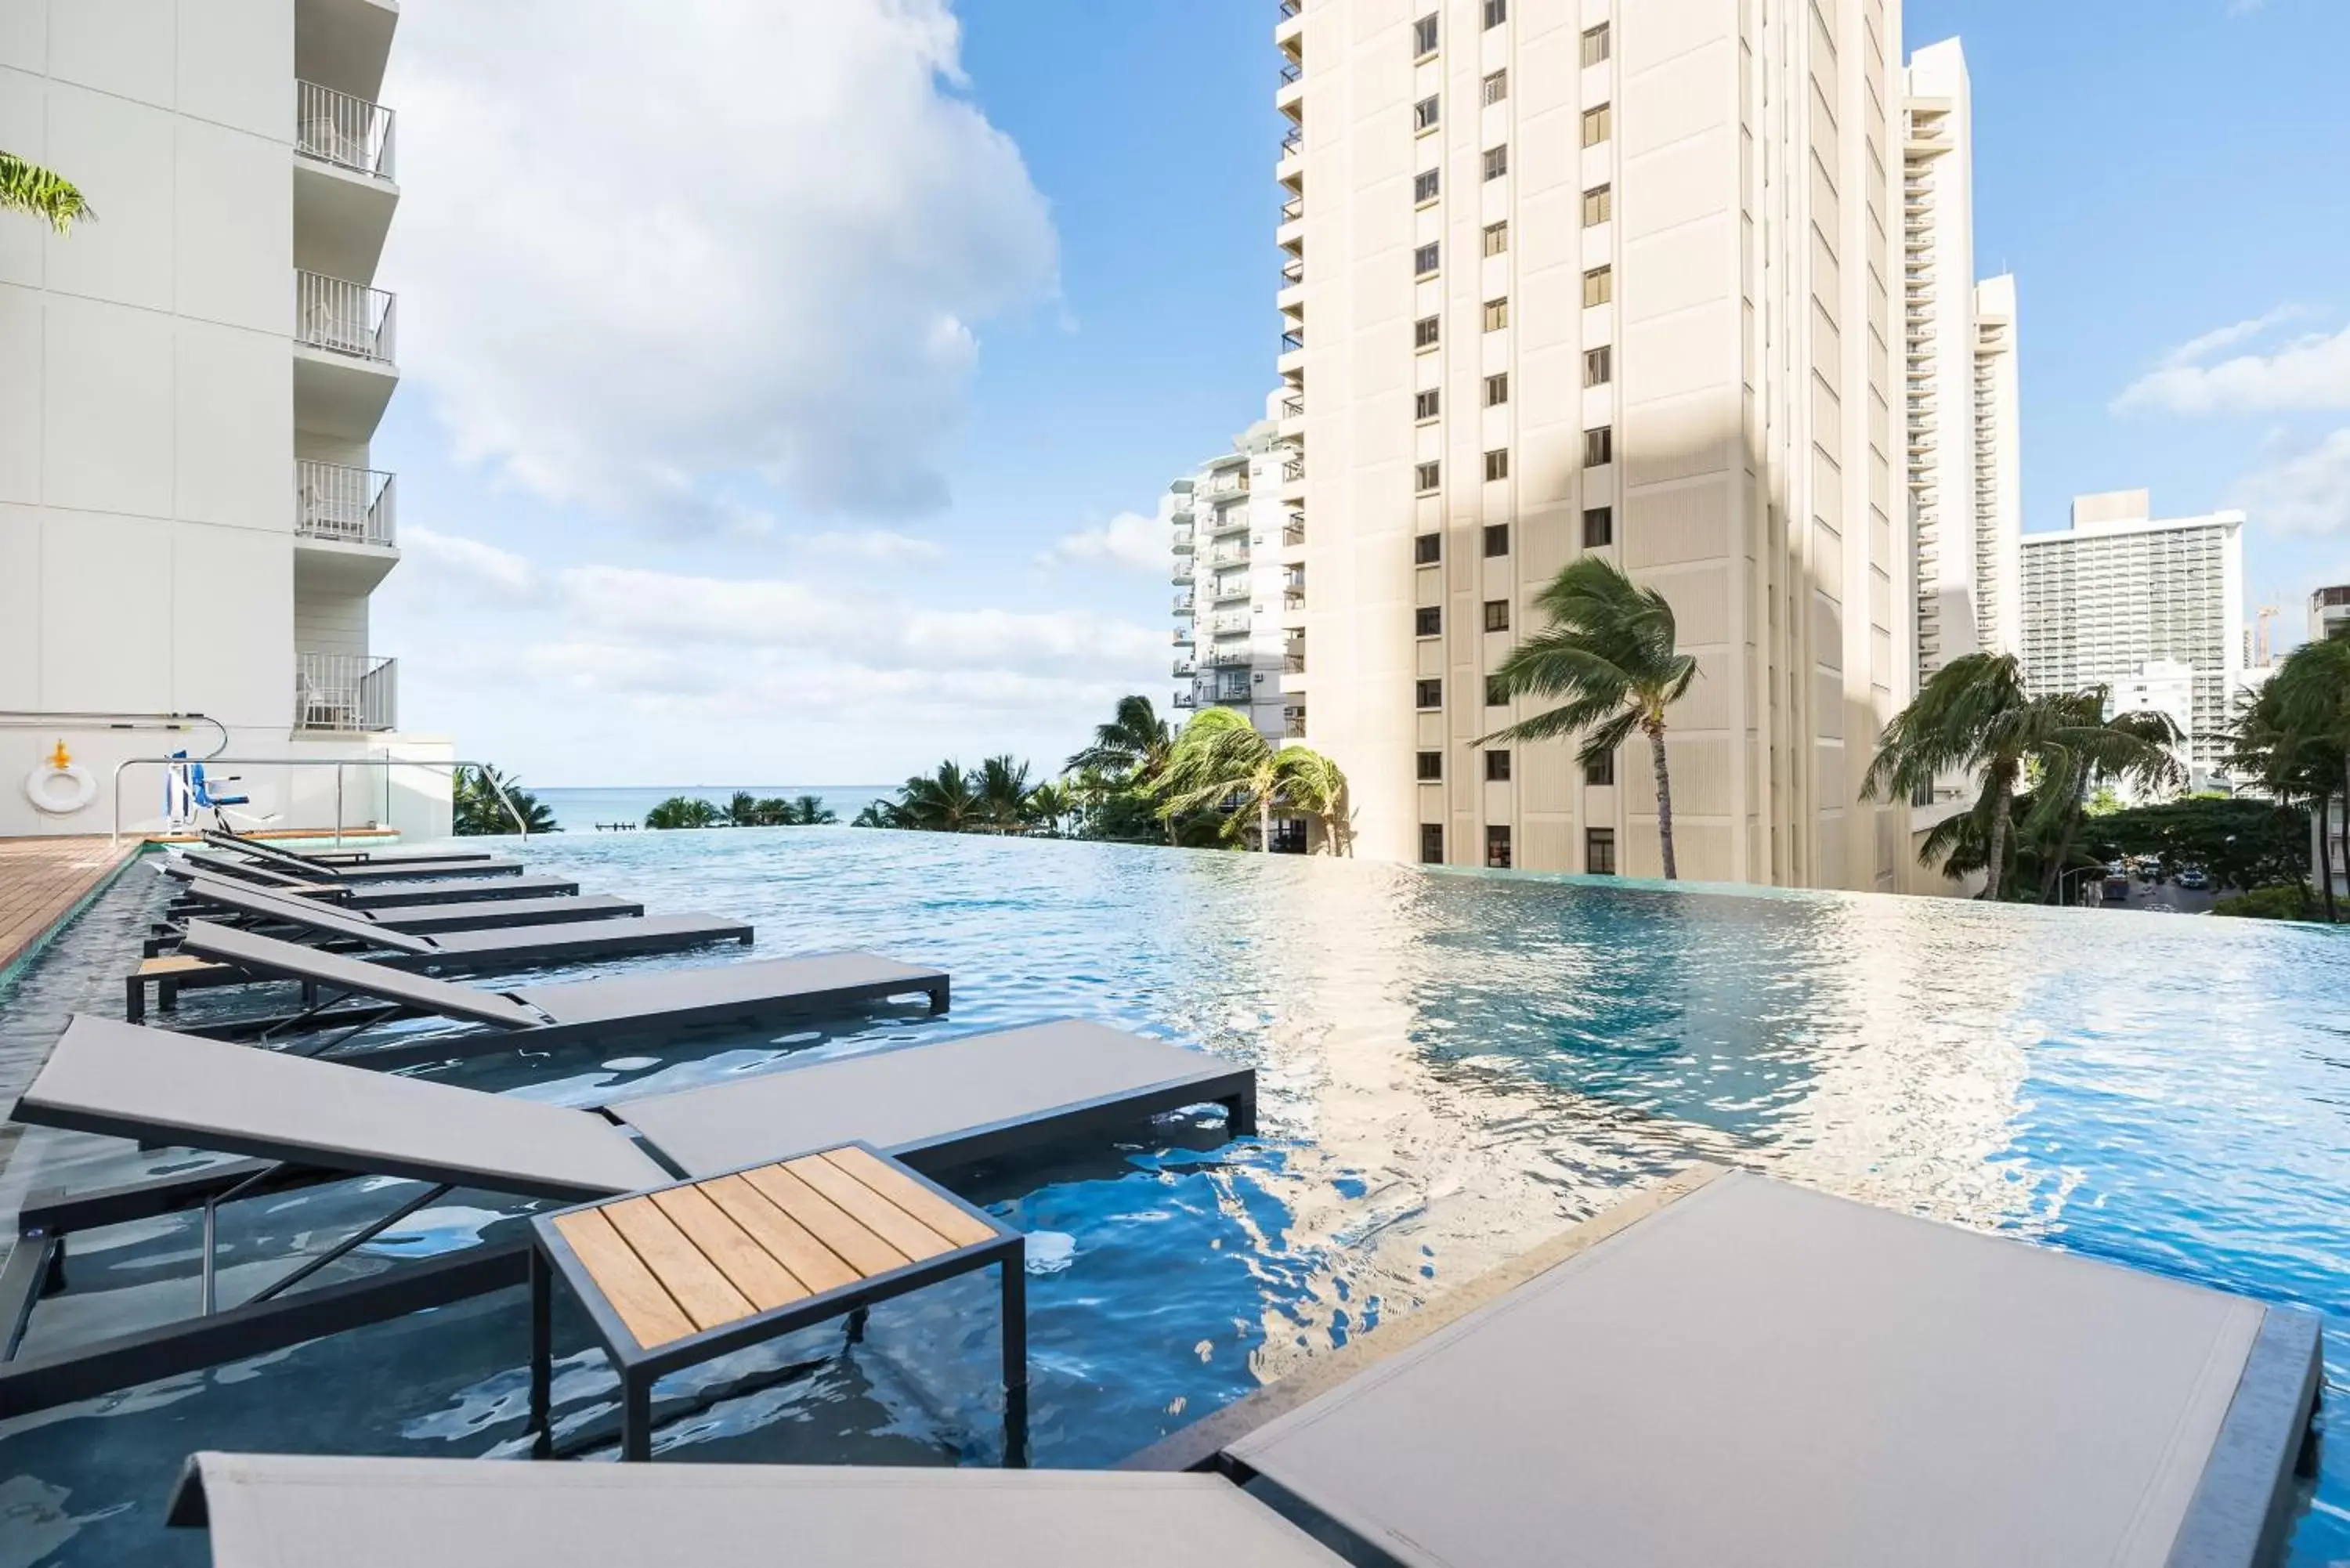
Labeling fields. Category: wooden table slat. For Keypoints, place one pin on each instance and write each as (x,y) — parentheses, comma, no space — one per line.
(815,1264)
(693,1280)
(762,1278)
(950,1222)
(648,1310)
(858,1247)
(175,963)
(869,1209)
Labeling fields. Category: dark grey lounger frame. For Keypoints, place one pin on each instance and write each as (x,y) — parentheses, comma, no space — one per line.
(327,888)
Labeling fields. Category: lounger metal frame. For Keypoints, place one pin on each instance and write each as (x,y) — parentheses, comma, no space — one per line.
(274,1320)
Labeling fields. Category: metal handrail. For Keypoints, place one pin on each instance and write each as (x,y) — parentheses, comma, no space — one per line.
(101,719)
(348,506)
(114,831)
(343,130)
(1289,71)
(346,318)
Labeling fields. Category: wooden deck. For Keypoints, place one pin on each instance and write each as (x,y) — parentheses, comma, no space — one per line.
(685,1258)
(41,881)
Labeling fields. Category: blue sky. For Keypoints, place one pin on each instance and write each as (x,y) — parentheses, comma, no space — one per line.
(799,439)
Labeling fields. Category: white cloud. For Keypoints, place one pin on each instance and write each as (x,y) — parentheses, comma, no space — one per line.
(442,560)
(2312,372)
(875,546)
(1128,541)
(2305,489)
(648,259)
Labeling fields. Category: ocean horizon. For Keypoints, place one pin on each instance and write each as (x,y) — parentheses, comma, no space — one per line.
(579,808)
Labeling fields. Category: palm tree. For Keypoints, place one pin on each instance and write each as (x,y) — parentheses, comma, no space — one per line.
(806,811)
(1972,713)
(684,811)
(1610,652)
(2312,708)
(1002,785)
(2293,767)
(742,810)
(1053,804)
(1134,743)
(2081,747)
(942,802)
(1219,759)
(476,807)
(881,813)
(29,188)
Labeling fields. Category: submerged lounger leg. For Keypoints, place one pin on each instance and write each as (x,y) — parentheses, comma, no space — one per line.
(542,1357)
(636,1414)
(1014,1268)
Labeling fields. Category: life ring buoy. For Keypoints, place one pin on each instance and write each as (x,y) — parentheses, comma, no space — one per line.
(60,791)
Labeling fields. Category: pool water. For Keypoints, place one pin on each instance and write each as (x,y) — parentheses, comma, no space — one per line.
(1452,1067)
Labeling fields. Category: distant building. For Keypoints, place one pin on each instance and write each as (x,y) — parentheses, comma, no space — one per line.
(1227,574)
(2120,593)
(2329,613)
(2167,686)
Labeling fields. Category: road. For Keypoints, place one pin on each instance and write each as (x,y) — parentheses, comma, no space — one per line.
(2167,896)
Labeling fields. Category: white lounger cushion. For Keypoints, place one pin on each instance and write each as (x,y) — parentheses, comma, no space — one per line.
(279,1510)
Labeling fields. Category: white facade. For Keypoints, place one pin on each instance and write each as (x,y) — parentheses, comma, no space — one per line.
(1962,412)
(1228,578)
(1570,275)
(2120,592)
(2329,613)
(189,519)
(2163,686)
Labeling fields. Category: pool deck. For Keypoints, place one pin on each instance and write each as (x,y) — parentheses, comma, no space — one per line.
(44,880)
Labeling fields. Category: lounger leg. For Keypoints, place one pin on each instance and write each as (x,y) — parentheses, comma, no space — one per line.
(857,1325)
(167,995)
(939,997)
(1014,1269)
(542,1357)
(635,1416)
(134,998)
(1240,1114)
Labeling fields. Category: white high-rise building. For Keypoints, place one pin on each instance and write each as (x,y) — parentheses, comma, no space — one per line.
(2119,597)
(1961,409)
(1229,584)
(2329,613)
(1613,276)
(190,520)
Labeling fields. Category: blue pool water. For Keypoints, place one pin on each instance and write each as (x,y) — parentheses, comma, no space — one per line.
(1452,1067)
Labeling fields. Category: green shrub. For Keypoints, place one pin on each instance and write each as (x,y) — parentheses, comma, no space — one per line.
(2289,902)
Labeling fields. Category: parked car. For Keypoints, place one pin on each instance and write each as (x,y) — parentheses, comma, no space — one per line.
(2118,890)
(2192,879)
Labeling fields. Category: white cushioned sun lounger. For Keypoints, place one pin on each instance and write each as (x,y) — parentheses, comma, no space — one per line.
(421,888)
(269,849)
(268,1510)
(368,867)
(427,918)
(657,1002)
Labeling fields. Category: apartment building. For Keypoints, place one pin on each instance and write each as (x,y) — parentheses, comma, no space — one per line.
(2329,613)
(190,521)
(2122,599)
(1961,410)
(1568,276)
(1231,583)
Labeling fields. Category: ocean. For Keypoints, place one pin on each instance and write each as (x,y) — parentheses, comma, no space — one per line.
(578,810)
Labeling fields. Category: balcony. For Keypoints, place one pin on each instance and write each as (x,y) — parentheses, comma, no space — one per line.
(1230,520)
(1184,541)
(1186,699)
(1238,656)
(344,367)
(1183,604)
(1230,589)
(343,190)
(1228,623)
(343,505)
(1182,636)
(1183,667)
(1291,70)
(346,693)
(1228,554)
(1292,533)
(342,130)
(1292,654)
(1292,724)
(1180,573)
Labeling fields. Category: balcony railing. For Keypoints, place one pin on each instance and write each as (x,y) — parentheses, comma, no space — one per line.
(1182,636)
(346,505)
(1230,520)
(346,691)
(1183,666)
(1226,591)
(1289,71)
(346,131)
(1186,699)
(1292,533)
(1292,470)
(1231,622)
(1293,271)
(1290,342)
(1228,554)
(1293,406)
(1183,604)
(1239,655)
(343,317)
(1292,209)
(1292,724)
(1290,8)
(1293,142)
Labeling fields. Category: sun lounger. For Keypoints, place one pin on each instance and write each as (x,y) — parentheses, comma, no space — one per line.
(422,886)
(351,996)
(265,1510)
(369,870)
(208,892)
(1727,1370)
(267,850)
(931,1105)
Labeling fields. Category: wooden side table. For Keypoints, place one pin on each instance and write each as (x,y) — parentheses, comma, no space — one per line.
(681,1274)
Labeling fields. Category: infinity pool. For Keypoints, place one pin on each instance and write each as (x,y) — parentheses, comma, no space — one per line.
(1451,1069)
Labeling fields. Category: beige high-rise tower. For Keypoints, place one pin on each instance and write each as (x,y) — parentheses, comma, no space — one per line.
(1608,275)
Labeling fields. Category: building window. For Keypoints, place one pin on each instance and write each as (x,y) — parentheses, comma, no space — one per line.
(1423,36)
(1598,527)
(1497,539)
(1598,205)
(1423,115)
(1497,238)
(1497,464)
(1423,261)
(1423,188)
(1599,446)
(1431,766)
(1496,12)
(1423,332)
(1599,851)
(1427,621)
(1431,844)
(1425,477)
(1423,404)
(1497,314)
(1597,125)
(1497,162)
(1598,366)
(1497,848)
(1599,287)
(1497,389)
(1497,692)
(1428,694)
(1427,549)
(1601,771)
(1497,615)
(1595,45)
(1497,767)
(1497,87)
